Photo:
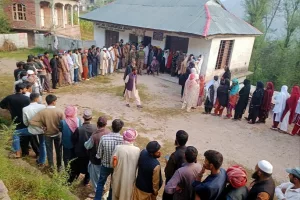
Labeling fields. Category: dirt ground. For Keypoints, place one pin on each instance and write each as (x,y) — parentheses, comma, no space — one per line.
(162,117)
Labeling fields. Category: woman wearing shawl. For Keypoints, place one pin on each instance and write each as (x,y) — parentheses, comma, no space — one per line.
(237,180)
(183,65)
(243,100)
(267,102)
(201,90)
(280,102)
(222,97)
(233,97)
(191,93)
(154,67)
(296,129)
(289,112)
(68,127)
(256,103)
(211,94)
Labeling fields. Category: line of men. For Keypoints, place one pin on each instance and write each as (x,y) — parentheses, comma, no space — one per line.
(99,152)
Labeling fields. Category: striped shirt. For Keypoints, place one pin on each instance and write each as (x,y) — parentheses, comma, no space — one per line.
(107,146)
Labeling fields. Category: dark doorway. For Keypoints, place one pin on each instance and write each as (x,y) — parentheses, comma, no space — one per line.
(147,40)
(111,38)
(133,39)
(177,43)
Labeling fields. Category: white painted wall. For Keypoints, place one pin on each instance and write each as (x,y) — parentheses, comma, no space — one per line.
(19,39)
(241,53)
(240,58)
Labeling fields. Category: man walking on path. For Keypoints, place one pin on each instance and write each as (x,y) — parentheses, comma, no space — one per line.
(80,136)
(106,147)
(131,89)
(49,120)
(71,65)
(15,103)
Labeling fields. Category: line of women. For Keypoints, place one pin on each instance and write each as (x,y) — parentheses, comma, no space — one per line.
(220,95)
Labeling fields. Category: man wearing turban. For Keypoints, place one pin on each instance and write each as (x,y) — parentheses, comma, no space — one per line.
(237,178)
(124,161)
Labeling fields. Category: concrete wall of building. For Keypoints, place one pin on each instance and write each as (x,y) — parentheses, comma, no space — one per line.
(63,42)
(19,39)
(30,14)
(240,57)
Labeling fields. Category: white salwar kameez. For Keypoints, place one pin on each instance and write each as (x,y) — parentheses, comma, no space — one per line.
(191,94)
(280,102)
(134,94)
(124,175)
(285,122)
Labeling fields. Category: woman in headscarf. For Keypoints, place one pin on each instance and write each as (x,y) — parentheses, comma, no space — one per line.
(233,97)
(280,102)
(124,161)
(222,97)
(68,127)
(267,103)
(184,65)
(211,94)
(243,100)
(256,103)
(201,90)
(296,129)
(290,109)
(191,93)
(237,179)
(227,74)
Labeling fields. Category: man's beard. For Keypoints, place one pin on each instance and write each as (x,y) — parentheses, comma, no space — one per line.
(255,176)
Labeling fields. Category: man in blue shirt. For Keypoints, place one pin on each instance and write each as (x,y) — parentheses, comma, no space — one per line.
(212,187)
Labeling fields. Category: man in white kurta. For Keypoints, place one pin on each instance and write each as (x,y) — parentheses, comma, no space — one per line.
(124,161)
(131,89)
(104,61)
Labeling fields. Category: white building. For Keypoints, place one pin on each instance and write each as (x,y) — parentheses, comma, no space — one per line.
(194,26)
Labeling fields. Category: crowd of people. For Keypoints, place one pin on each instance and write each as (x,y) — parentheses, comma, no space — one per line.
(98,152)
(219,94)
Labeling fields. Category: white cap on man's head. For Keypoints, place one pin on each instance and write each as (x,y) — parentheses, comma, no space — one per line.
(265,166)
(30,72)
(104,49)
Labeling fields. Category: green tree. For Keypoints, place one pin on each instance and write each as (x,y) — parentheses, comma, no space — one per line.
(4,24)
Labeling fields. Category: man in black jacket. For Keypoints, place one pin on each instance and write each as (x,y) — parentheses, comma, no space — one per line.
(53,64)
(263,186)
(80,136)
(176,159)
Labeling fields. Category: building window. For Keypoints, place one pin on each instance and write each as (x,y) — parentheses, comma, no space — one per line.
(19,12)
(224,55)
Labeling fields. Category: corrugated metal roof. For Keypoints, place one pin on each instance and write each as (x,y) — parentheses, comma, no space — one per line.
(181,16)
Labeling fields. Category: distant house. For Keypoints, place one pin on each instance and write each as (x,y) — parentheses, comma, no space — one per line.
(193,26)
(32,16)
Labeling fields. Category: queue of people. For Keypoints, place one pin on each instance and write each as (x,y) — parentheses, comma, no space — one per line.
(220,95)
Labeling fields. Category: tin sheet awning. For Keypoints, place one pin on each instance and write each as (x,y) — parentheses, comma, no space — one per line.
(197,17)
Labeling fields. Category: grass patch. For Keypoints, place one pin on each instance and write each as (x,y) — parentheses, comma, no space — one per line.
(24,182)
(6,84)
(163,112)
(21,54)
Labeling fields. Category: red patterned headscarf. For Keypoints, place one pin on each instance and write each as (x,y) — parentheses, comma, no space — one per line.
(293,101)
(237,176)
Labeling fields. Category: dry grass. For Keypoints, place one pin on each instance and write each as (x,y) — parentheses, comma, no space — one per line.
(21,54)
(6,84)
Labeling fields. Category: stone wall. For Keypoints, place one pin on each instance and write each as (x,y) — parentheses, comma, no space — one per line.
(19,39)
